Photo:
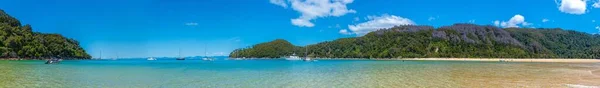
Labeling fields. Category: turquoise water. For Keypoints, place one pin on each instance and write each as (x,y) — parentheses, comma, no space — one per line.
(281,73)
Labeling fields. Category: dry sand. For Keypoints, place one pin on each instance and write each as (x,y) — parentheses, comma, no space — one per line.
(509,60)
(596,72)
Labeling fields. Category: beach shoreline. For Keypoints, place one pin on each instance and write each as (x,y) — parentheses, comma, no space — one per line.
(507,60)
(563,60)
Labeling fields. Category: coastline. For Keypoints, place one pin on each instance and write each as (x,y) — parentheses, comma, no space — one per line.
(553,60)
(559,60)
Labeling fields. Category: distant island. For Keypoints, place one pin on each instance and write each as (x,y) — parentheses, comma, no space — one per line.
(455,41)
(20,42)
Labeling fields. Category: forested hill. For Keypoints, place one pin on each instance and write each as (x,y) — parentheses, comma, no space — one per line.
(18,41)
(456,41)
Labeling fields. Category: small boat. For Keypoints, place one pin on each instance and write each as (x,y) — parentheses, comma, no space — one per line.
(308,59)
(180,58)
(293,57)
(53,61)
(151,58)
(208,59)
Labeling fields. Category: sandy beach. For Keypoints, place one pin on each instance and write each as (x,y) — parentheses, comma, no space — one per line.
(509,60)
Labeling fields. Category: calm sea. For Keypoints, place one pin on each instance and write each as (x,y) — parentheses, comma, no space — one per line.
(133,73)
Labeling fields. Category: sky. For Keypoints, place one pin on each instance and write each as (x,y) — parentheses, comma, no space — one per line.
(171,28)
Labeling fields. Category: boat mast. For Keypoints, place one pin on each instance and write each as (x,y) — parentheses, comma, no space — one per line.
(306,52)
(205,50)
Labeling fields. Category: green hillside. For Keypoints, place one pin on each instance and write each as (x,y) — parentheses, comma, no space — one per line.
(19,41)
(456,41)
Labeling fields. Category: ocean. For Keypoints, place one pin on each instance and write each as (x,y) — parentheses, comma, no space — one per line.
(170,73)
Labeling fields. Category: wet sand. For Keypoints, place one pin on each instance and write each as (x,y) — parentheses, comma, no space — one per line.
(596,72)
(509,60)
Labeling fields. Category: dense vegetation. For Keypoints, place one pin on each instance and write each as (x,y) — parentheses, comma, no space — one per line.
(18,41)
(273,49)
(456,41)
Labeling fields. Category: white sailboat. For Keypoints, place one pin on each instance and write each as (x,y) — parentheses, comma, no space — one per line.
(151,58)
(306,57)
(206,58)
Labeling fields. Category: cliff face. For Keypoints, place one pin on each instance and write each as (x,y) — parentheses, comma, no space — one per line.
(17,41)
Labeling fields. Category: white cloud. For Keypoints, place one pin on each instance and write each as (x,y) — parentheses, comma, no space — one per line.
(597,4)
(235,39)
(515,21)
(191,24)
(313,9)
(577,7)
(379,22)
(279,3)
(545,20)
(471,21)
(598,28)
(431,18)
(497,23)
(345,32)
(218,54)
(302,23)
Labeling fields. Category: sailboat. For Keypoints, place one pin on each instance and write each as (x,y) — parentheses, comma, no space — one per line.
(306,57)
(151,58)
(206,58)
(180,58)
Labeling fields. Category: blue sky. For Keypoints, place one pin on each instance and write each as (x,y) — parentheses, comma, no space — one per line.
(153,28)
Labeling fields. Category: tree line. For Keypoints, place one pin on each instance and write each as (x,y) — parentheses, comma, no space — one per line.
(19,41)
(455,41)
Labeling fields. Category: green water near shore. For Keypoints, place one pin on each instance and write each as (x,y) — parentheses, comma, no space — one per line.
(281,73)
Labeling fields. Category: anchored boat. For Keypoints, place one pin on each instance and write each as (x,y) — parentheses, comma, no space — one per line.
(53,61)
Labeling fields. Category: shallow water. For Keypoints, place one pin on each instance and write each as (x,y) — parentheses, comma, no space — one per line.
(281,73)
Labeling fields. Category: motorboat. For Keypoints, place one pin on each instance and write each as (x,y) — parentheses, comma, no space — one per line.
(208,59)
(180,58)
(151,58)
(53,61)
(293,57)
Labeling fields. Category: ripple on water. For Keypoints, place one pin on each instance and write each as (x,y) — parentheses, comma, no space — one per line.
(261,74)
